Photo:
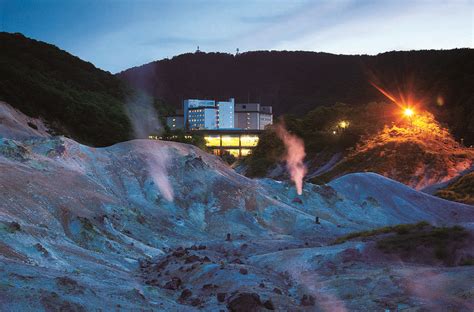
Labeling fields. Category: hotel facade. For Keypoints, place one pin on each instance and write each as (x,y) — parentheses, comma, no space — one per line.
(227,127)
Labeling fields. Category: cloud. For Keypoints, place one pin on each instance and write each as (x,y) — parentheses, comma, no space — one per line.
(180,41)
(417,25)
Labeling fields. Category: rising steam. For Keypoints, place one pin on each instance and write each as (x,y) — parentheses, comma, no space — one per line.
(158,170)
(145,121)
(143,116)
(294,156)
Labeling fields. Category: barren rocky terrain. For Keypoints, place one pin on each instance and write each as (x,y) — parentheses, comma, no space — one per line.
(152,226)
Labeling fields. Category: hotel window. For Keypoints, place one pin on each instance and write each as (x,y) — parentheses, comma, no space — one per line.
(230,140)
(245,151)
(233,152)
(249,140)
(212,140)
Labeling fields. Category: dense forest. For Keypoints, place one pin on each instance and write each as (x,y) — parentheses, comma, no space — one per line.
(74,97)
(79,100)
(297,82)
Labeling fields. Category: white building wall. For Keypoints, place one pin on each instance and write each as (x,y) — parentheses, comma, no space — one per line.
(210,118)
(265,120)
(226,117)
(194,103)
(247,120)
(202,118)
(247,116)
(206,114)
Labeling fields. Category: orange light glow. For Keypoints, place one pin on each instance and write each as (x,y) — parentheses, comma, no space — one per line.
(386,93)
(403,99)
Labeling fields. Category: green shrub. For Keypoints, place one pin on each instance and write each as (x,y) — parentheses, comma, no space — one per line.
(399,229)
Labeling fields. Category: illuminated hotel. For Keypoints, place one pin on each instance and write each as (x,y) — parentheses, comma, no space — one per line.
(236,142)
(227,127)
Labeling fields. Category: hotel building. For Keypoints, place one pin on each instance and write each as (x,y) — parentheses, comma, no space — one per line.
(226,126)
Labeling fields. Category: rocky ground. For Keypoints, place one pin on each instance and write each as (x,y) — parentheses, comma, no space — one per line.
(419,155)
(161,226)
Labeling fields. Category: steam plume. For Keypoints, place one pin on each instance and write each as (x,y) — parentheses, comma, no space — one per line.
(143,116)
(294,156)
(145,121)
(157,168)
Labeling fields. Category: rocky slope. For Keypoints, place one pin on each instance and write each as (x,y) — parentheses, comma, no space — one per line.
(152,225)
(420,154)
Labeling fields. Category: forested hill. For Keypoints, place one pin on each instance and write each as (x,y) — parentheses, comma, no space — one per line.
(74,97)
(296,82)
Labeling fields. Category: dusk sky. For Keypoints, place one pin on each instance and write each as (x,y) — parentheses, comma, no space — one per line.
(116,35)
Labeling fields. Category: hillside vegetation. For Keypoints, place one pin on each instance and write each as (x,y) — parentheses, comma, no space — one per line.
(74,97)
(419,242)
(322,133)
(417,154)
(376,138)
(297,82)
(461,191)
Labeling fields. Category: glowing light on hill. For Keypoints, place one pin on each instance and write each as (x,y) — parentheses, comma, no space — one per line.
(343,124)
(408,112)
(404,99)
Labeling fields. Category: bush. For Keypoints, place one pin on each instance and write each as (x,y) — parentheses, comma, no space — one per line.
(228,158)
(399,229)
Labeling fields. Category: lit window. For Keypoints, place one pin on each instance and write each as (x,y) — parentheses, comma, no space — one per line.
(249,140)
(230,140)
(212,140)
(245,152)
(233,152)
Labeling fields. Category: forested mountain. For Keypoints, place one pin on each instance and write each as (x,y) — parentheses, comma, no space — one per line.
(74,97)
(296,82)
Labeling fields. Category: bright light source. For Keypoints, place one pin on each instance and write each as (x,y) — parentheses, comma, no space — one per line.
(343,124)
(408,112)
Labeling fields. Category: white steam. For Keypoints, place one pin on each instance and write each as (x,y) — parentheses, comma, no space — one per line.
(145,121)
(143,116)
(158,170)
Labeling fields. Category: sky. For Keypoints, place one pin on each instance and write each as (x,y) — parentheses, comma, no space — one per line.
(118,34)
